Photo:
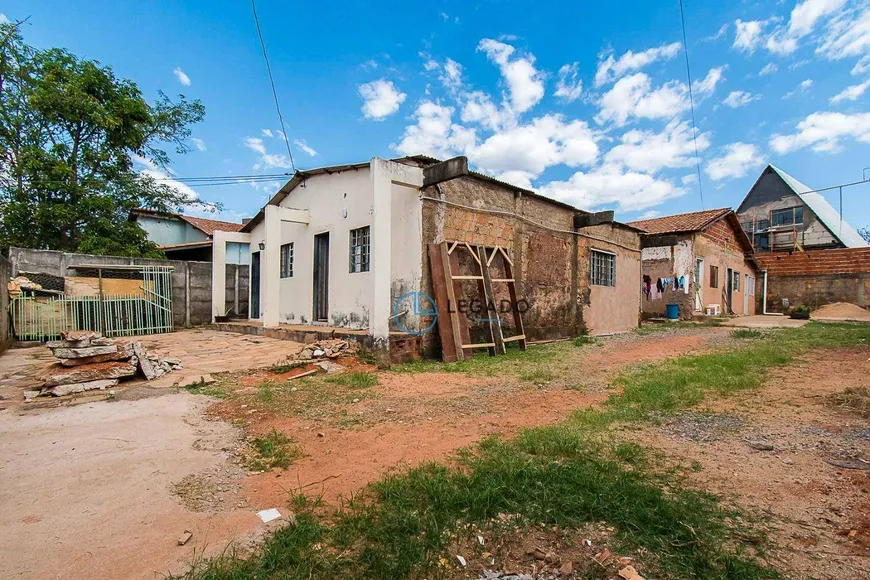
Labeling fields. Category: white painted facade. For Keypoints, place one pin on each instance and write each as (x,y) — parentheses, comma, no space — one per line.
(383,195)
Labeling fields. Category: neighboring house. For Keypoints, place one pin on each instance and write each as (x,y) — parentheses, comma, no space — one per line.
(781,214)
(184,237)
(699,260)
(344,245)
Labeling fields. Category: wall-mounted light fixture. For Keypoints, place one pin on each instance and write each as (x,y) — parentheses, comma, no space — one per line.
(262,246)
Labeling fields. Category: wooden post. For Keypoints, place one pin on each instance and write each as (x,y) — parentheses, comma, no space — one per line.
(495,333)
(187,293)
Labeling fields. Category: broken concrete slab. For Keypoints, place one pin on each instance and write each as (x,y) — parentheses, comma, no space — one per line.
(145,365)
(86,373)
(61,390)
(83,352)
(75,335)
(122,354)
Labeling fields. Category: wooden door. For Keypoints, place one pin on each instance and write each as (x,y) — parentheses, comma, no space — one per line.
(321,277)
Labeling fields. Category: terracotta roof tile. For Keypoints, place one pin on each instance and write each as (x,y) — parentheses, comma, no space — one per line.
(681,222)
(209,226)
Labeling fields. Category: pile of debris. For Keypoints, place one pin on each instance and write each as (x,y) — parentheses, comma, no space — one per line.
(333,348)
(89,361)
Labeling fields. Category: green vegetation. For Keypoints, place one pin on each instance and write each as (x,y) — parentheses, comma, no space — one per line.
(513,362)
(653,327)
(273,450)
(201,388)
(537,376)
(746,333)
(355,380)
(583,340)
(69,133)
(565,475)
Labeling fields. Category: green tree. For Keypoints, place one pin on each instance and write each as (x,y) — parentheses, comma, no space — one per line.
(865,233)
(69,133)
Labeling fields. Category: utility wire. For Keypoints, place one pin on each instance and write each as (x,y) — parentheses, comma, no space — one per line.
(691,104)
(272,81)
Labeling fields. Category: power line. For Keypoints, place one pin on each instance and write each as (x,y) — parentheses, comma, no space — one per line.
(691,104)
(272,81)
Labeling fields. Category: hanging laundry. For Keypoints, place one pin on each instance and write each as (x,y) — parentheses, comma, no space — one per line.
(660,285)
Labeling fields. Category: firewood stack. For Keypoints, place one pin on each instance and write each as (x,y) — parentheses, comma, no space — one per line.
(88,361)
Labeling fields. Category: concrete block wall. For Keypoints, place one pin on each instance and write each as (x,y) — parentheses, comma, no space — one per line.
(191,281)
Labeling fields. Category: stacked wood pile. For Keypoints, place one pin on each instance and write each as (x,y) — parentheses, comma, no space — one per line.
(88,361)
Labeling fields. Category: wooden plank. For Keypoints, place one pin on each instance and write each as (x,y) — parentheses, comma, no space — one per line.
(512,292)
(503,280)
(495,331)
(442,302)
(461,317)
(515,338)
(472,252)
(468,277)
(480,345)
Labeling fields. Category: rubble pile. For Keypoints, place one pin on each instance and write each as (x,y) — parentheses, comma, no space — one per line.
(333,348)
(88,361)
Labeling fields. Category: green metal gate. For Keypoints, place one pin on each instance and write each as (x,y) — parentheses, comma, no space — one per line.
(44,318)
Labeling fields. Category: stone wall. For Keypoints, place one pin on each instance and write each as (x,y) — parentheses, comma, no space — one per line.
(191,281)
(818,277)
(5,274)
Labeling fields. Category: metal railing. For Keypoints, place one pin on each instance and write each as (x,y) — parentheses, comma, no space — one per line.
(44,318)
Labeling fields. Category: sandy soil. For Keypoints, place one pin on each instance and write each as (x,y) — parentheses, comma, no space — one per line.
(770,450)
(841,311)
(86,490)
(413,418)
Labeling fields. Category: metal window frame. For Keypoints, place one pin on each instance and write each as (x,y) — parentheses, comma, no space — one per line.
(287,260)
(714,276)
(360,249)
(602,268)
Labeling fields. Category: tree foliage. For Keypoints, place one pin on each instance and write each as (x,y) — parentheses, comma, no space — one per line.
(70,131)
(865,233)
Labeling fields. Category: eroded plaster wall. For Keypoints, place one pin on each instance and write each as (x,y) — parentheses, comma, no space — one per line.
(718,247)
(670,262)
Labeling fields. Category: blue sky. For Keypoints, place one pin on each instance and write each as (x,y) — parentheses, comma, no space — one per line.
(585,102)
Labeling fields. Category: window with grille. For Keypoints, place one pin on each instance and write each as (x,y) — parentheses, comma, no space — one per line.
(737,281)
(750,285)
(603,269)
(359,249)
(287,260)
(714,276)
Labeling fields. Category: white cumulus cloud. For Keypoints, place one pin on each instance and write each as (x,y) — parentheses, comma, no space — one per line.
(524,82)
(569,87)
(823,131)
(380,98)
(303,146)
(736,99)
(199,143)
(851,93)
(633,96)
(611,68)
(182,77)
(737,160)
(651,152)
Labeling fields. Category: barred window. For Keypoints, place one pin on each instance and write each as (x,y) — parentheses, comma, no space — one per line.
(287,260)
(603,269)
(737,281)
(359,249)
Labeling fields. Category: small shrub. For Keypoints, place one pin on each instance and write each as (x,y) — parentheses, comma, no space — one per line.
(854,399)
(273,450)
(582,340)
(537,376)
(746,333)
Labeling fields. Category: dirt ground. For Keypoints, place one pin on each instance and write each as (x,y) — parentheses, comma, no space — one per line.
(793,456)
(109,486)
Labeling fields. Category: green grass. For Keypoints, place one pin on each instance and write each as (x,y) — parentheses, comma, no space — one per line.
(273,450)
(746,333)
(653,327)
(537,376)
(583,340)
(513,362)
(565,475)
(354,380)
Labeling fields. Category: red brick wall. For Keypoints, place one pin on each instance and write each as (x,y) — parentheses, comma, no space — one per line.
(817,277)
(813,262)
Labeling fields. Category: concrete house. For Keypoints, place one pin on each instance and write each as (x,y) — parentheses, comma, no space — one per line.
(342,247)
(184,237)
(701,261)
(782,214)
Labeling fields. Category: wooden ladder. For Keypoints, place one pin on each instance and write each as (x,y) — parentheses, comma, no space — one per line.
(447,285)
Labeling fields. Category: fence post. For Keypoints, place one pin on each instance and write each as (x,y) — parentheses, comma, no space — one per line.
(187,293)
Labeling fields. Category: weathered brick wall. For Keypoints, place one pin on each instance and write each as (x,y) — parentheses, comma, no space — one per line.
(664,267)
(547,280)
(5,275)
(817,277)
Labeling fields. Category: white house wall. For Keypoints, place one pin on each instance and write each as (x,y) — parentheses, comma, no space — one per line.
(337,203)
(405,255)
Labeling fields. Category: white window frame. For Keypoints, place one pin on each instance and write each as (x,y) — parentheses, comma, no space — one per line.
(360,254)
(286,260)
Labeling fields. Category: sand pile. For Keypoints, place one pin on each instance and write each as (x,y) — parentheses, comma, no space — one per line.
(841,311)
